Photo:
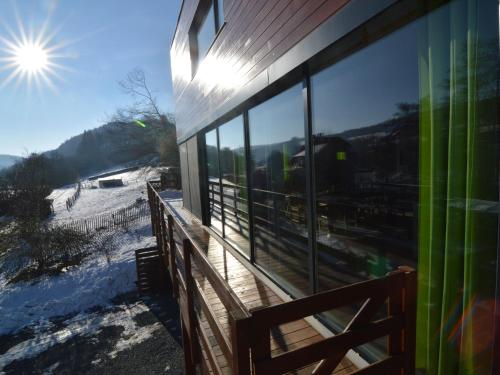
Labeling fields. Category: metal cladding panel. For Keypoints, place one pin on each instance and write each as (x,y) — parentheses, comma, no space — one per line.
(256,34)
(186,195)
(194,176)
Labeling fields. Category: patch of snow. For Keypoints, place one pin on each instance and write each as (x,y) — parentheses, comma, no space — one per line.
(133,335)
(95,362)
(51,369)
(85,325)
(93,283)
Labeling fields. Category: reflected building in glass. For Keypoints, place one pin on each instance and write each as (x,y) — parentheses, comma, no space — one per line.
(337,142)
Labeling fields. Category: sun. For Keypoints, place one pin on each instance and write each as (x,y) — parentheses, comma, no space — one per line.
(31,58)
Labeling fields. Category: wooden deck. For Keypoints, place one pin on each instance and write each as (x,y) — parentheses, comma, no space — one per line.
(252,292)
(233,321)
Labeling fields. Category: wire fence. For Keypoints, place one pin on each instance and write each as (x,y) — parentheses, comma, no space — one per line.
(117,219)
(70,202)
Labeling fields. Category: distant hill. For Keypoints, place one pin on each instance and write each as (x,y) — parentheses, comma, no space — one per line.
(7,161)
(115,138)
(115,143)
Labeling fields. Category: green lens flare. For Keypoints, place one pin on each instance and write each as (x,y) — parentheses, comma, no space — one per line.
(140,123)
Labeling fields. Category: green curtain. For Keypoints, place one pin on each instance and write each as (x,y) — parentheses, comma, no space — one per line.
(458,208)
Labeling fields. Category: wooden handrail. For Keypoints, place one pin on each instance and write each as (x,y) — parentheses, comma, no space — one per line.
(235,347)
(398,288)
(302,307)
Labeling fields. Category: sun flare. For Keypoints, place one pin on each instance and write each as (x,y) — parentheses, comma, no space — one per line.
(32,58)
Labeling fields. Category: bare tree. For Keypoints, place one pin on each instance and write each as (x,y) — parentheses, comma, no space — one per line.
(146,104)
(145,107)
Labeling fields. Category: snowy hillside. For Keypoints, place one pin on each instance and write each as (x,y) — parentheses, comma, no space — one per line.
(82,291)
(94,201)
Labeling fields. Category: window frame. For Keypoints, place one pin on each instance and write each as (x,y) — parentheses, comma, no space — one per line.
(204,7)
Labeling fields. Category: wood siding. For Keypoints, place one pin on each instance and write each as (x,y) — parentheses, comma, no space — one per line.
(256,34)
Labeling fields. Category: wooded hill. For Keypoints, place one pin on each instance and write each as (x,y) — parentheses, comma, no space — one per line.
(118,143)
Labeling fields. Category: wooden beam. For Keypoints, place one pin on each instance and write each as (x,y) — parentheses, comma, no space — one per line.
(214,324)
(324,301)
(298,358)
(212,358)
(363,316)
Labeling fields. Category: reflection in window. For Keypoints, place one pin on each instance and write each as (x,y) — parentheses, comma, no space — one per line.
(206,34)
(278,189)
(220,13)
(226,169)
(186,192)
(234,183)
(365,142)
(214,197)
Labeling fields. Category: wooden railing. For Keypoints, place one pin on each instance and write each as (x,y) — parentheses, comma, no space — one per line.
(184,258)
(246,347)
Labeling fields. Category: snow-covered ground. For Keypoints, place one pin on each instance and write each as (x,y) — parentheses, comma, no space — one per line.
(81,289)
(93,283)
(100,201)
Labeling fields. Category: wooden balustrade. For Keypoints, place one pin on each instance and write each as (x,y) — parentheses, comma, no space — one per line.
(246,347)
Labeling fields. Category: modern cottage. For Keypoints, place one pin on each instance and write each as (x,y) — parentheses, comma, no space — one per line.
(329,148)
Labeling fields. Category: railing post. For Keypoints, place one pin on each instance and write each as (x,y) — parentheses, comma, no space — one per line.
(156,216)
(193,340)
(163,235)
(173,264)
(261,341)
(410,311)
(151,211)
(240,332)
(189,366)
(395,308)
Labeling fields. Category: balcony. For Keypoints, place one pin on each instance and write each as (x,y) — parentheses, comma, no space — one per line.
(233,321)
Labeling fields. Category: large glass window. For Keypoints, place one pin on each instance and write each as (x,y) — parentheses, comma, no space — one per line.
(278,189)
(213,175)
(365,145)
(405,139)
(186,191)
(234,183)
(365,135)
(227,183)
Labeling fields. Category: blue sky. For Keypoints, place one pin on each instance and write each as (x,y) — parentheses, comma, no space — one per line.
(101,40)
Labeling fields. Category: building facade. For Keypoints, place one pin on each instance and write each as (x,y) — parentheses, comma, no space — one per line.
(331,141)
